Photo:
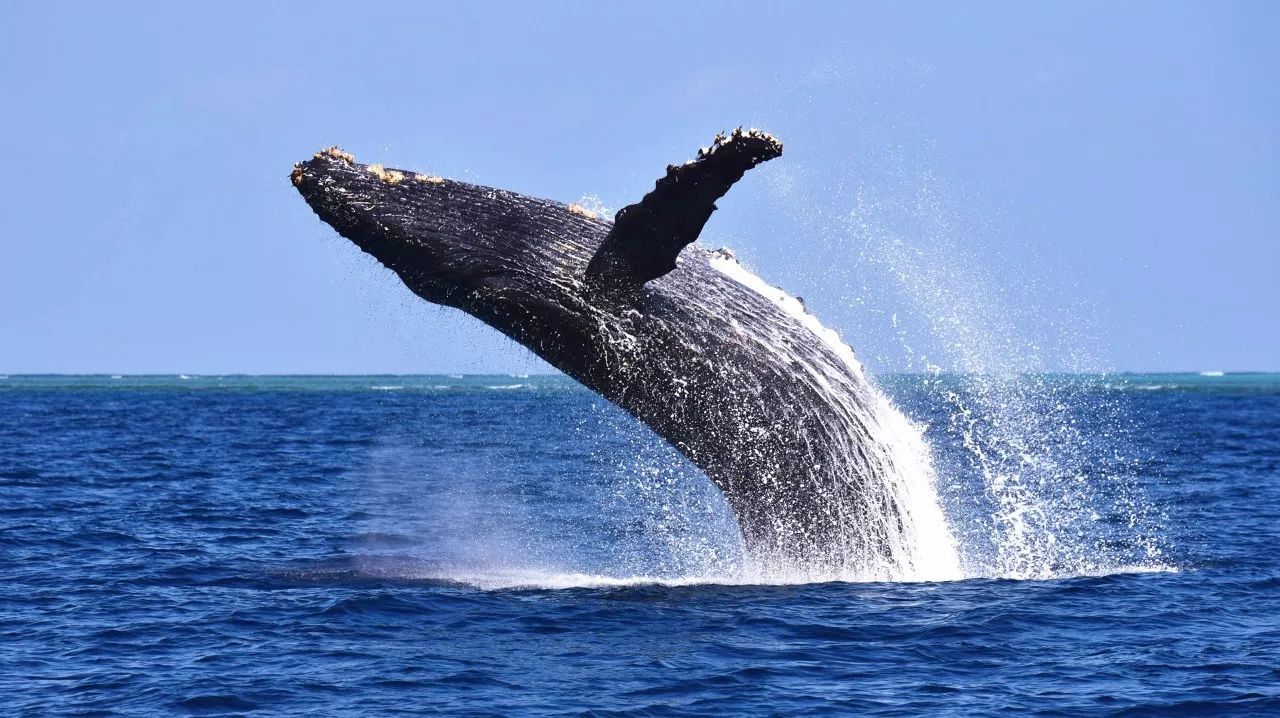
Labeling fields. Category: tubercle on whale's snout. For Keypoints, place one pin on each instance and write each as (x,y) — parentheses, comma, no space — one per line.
(337,153)
(356,199)
(298,175)
(335,156)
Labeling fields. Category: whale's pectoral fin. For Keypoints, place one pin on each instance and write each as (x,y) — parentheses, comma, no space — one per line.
(647,236)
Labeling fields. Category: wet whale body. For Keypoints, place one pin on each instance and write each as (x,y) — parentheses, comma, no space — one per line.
(819,469)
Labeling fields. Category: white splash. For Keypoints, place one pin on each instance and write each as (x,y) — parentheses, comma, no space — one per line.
(1040,494)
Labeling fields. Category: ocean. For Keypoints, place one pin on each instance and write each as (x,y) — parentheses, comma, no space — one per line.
(515,545)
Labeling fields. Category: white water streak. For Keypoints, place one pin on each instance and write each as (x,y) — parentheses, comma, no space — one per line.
(923,548)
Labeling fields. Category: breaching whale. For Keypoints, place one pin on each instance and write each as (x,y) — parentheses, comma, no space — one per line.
(817,466)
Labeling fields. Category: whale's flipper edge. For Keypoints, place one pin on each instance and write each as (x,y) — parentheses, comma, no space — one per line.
(648,236)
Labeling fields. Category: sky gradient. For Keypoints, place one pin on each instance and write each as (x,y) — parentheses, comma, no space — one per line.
(1007,186)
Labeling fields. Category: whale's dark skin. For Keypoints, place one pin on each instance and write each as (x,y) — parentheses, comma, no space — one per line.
(748,392)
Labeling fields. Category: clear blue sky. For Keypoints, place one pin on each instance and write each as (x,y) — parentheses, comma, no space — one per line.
(1080,184)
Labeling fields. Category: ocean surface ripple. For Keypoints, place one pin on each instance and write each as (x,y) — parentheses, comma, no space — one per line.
(516,546)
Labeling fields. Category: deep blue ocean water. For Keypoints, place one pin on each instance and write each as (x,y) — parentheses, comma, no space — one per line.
(515,546)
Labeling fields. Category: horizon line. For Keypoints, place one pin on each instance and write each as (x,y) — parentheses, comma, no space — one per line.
(1201,372)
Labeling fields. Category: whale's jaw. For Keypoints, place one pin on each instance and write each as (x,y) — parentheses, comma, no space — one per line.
(451,242)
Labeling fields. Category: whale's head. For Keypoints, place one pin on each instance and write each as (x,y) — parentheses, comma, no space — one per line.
(553,276)
(496,254)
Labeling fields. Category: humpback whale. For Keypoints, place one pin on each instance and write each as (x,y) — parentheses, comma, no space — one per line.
(819,469)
